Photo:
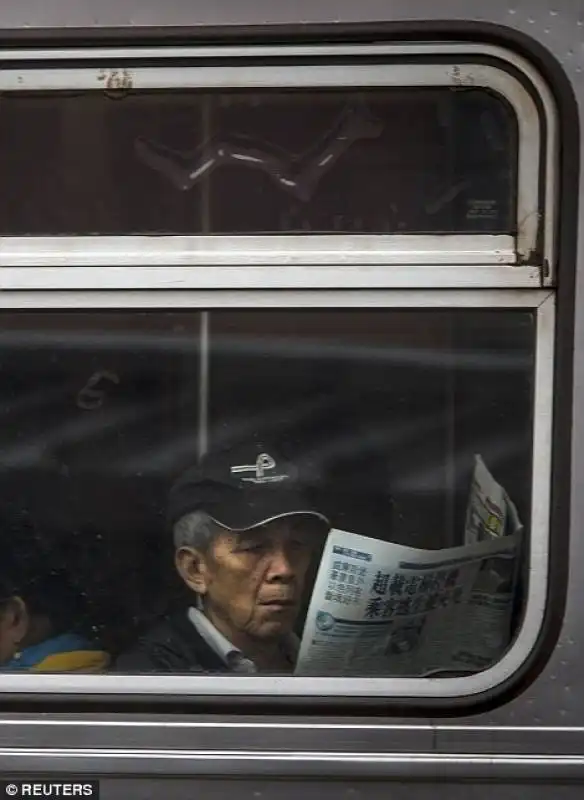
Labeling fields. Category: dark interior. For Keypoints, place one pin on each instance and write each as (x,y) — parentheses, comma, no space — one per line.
(392,160)
(384,410)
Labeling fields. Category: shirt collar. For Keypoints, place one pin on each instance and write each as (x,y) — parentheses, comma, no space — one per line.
(227,652)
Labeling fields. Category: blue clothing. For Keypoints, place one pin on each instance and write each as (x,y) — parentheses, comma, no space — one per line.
(69,650)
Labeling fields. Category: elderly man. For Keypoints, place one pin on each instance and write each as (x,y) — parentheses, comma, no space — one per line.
(244,539)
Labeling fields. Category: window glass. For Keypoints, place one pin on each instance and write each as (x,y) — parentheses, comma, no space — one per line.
(368,423)
(96,409)
(392,160)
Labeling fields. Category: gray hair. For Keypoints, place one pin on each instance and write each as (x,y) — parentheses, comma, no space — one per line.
(196,529)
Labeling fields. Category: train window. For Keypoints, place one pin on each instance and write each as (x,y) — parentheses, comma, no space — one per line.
(383,160)
(367,471)
(179,162)
(277,364)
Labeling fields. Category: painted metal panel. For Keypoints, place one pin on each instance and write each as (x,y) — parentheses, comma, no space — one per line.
(556,698)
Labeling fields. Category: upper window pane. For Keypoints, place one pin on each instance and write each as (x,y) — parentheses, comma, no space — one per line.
(386,161)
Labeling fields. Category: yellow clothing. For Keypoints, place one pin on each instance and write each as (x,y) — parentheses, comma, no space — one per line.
(76,661)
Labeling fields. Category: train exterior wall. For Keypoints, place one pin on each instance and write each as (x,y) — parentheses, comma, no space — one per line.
(532,743)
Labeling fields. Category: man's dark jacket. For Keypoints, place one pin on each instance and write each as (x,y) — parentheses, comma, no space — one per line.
(174,645)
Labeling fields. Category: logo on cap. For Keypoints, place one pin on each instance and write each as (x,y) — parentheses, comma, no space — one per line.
(264,463)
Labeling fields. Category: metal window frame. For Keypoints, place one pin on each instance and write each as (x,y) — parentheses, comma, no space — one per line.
(466,260)
(128,686)
(399,271)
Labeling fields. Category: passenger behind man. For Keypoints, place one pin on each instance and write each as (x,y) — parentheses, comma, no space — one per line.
(244,539)
(41,614)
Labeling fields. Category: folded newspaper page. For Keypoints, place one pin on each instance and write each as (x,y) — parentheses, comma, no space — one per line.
(382,609)
(490,511)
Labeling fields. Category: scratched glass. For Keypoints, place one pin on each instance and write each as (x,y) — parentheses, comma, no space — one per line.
(382,412)
(390,160)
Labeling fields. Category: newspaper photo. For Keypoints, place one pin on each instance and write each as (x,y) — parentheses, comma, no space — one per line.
(382,609)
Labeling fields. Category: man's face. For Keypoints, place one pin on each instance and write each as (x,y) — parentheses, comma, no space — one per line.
(252,582)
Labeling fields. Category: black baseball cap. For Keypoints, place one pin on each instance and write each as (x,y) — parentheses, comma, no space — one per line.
(241,488)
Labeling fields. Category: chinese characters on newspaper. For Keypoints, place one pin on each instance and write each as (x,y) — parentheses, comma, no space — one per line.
(383,609)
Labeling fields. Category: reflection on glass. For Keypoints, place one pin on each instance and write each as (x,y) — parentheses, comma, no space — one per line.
(193,162)
(369,467)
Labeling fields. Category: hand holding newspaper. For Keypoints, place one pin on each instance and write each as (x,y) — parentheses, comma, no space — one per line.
(381,609)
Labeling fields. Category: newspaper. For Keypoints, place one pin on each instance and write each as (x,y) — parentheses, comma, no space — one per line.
(490,512)
(382,609)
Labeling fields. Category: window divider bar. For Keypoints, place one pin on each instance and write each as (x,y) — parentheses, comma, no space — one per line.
(258,250)
(307,277)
